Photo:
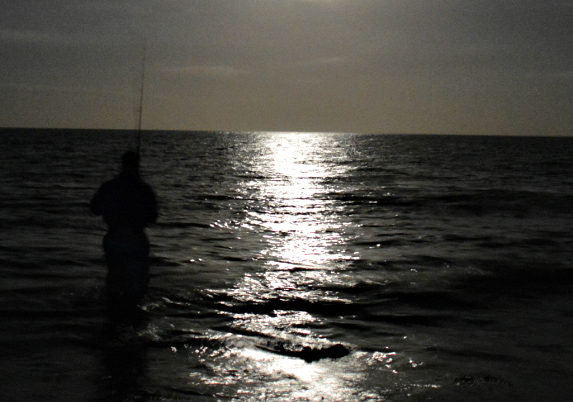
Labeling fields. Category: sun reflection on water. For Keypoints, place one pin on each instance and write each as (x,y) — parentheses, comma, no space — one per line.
(311,381)
(304,256)
(256,374)
(281,334)
(303,226)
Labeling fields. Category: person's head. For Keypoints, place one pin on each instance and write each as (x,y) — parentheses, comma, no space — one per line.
(130,162)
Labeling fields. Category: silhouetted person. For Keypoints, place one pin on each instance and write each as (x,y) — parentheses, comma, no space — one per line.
(128,205)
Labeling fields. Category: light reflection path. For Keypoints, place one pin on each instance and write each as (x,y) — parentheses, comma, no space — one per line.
(304,257)
(258,375)
(304,226)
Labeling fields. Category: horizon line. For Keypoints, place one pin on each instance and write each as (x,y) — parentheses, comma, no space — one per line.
(196,131)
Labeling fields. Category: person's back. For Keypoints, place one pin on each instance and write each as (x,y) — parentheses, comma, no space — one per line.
(128,205)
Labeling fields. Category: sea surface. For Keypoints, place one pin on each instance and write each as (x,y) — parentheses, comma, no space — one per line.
(293,267)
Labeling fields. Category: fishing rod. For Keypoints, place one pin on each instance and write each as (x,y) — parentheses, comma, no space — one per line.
(142,88)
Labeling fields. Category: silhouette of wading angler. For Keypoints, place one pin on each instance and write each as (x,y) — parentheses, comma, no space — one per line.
(128,205)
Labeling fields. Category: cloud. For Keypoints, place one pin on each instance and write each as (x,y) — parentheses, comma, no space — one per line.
(28,36)
(68,22)
(323,61)
(220,71)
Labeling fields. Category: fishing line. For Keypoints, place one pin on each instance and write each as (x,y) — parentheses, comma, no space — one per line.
(141,93)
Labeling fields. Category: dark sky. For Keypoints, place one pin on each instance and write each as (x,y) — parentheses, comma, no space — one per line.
(368,66)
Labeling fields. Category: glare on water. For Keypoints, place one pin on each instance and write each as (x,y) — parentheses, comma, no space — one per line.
(310,231)
(304,248)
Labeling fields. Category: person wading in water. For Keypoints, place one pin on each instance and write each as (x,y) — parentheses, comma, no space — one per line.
(128,205)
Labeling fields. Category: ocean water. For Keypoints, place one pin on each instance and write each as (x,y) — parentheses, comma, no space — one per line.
(293,267)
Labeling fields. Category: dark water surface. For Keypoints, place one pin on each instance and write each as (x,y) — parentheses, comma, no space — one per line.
(290,266)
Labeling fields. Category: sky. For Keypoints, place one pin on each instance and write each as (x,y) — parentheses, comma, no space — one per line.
(361,66)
